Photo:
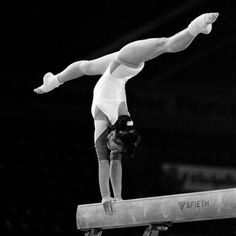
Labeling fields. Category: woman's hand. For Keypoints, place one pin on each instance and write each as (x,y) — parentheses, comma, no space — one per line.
(108,205)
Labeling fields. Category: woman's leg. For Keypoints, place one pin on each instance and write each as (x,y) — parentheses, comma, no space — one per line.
(143,50)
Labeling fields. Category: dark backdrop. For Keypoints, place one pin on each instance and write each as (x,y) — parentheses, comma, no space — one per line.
(183,105)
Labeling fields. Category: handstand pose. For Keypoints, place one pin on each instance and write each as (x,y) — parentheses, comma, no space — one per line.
(115,135)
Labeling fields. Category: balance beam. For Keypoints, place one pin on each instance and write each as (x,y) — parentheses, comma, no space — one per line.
(198,206)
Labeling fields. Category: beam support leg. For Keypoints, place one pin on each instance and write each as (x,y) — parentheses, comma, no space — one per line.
(94,232)
(154,229)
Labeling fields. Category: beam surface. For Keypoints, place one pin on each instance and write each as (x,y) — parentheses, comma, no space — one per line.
(198,206)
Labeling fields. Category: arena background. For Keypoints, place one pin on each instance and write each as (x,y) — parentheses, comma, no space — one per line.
(184,106)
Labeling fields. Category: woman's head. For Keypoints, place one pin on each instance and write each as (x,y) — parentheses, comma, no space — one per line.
(123,137)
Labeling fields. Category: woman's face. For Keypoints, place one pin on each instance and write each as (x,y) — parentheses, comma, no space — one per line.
(114,144)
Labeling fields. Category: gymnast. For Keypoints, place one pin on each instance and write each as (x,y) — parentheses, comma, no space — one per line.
(115,135)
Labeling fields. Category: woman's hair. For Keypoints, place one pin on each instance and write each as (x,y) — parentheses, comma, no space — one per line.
(126,132)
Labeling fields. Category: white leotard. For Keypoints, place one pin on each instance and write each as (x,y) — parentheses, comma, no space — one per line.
(109,92)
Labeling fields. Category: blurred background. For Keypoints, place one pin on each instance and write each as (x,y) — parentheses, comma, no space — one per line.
(183,104)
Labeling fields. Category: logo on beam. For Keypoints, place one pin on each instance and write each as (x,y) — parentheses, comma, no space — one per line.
(193,204)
